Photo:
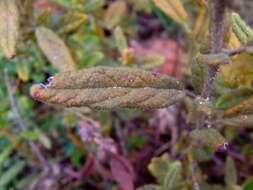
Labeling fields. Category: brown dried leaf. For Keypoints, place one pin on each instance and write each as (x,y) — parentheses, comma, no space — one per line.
(54,48)
(9,19)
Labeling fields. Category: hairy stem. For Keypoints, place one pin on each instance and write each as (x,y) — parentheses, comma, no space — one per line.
(217,14)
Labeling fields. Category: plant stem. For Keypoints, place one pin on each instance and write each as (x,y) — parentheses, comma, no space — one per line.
(217,13)
(21,123)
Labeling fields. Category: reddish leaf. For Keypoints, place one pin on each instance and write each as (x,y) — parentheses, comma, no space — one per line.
(122,172)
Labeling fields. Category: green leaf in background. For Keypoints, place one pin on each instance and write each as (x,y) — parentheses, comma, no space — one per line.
(120,39)
(11,173)
(26,181)
(43,139)
(5,154)
(54,48)
(115,13)
(90,59)
(171,178)
(93,5)
(233,97)
(230,172)
(24,70)
(151,61)
(29,135)
(159,167)
(68,4)
(248,184)
(150,187)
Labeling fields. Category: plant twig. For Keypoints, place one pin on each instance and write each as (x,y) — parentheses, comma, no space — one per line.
(242,49)
(121,137)
(194,179)
(20,121)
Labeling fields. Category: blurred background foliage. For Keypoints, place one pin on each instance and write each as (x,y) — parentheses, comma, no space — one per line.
(134,33)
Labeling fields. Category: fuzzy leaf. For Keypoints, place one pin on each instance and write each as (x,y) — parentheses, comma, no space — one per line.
(173,9)
(159,167)
(230,172)
(239,121)
(54,48)
(208,137)
(115,13)
(110,88)
(103,77)
(171,177)
(9,27)
(151,61)
(11,173)
(236,19)
(198,76)
(213,59)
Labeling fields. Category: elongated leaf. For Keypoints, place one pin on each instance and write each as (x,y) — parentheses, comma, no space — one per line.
(54,48)
(23,183)
(170,180)
(93,5)
(120,39)
(75,21)
(115,13)
(10,174)
(151,61)
(230,172)
(208,137)
(243,26)
(239,121)
(173,9)
(9,27)
(4,154)
(110,88)
(213,59)
(102,77)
